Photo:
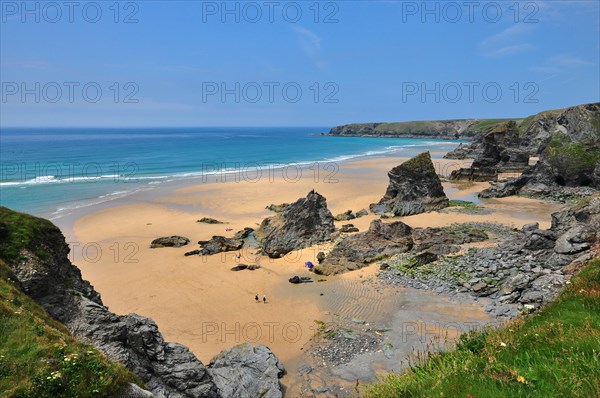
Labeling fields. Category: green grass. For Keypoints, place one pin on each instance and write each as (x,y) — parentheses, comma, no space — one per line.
(40,359)
(553,353)
(38,356)
(23,230)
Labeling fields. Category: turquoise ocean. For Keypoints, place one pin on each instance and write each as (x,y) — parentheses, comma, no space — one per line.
(50,172)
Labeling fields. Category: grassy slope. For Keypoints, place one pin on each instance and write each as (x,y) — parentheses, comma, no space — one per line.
(38,356)
(554,353)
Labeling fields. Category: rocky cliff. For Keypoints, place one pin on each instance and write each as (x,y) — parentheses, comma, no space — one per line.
(568,142)
(37,254)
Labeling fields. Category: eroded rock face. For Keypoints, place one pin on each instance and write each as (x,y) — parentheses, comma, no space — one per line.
(499,152)
(219,244)
(245,371)
(358,250)
(414,188)
(443,241)
(304,223)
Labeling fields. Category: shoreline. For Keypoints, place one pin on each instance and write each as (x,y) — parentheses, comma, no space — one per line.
(200,303)
(132,186)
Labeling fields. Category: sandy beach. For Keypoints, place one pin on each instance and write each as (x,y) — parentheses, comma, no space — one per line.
(197,301)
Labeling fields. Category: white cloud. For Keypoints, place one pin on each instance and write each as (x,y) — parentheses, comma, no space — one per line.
(310,44)
(506,42)
(567,60)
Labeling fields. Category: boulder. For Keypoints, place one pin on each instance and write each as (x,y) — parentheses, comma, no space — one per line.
(445,240)
(320,257)
(169,241)
(247,371)
(304,223)
(414,188)
(575,240)
(423,258)
(208,220)
(361,213)
(348,228)
(240,267)
(345,216)
(219,244)
(300,279)
(244,233)
(356,251)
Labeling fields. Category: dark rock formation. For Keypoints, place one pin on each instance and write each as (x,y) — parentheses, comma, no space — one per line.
(345,216)
(348,228)
(300,279)
(361,213)
(496,155)
(414,188)
(358,250)
(244,233)
(169,241)
(445,240)
(528,267)
(481,174)
(208,220)
(170,370)
(219,244)
(568,143)
(556,175)
(320,257)
(245,371)
(303,223)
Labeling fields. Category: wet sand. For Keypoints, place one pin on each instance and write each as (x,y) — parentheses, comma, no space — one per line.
(199,302)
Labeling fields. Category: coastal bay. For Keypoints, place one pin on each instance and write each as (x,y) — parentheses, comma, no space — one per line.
(199,302)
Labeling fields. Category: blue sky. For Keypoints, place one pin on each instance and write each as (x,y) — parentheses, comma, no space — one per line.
(194,63)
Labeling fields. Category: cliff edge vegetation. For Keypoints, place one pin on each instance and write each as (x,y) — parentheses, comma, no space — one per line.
(552,353)
(39,358)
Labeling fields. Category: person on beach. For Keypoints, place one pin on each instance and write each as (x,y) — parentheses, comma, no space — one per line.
(264,299)
(256,297)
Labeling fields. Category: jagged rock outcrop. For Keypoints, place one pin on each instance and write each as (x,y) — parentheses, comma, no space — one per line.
(245,371)
(358,250)
(243,233)
(497,154)
(567,141)
(169,241)
(345,216)
(528,267)
(414,188)
(42,267)
(566,169)
(219,244)
(304,223)
(445,240)
(580,123)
